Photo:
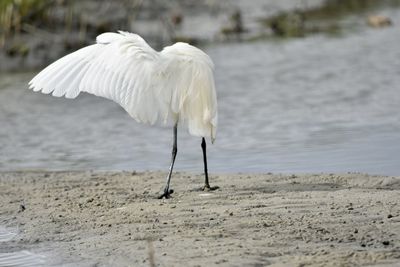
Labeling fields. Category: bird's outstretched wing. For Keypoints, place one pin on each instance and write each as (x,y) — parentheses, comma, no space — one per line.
(120,66)
(175,83)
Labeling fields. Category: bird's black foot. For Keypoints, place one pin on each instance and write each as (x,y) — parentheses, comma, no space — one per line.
(166,194)
(208,188)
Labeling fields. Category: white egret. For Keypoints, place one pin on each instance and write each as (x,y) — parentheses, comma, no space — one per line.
(175,85)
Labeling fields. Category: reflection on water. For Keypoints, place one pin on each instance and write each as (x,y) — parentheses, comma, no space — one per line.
(308,105)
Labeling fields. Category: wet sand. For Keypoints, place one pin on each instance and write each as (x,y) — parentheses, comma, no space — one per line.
(114,219)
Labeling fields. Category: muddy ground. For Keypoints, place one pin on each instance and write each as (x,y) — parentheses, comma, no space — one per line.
(114,219)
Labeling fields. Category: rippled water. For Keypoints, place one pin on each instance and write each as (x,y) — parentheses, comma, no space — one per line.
(21,258)
(319,104)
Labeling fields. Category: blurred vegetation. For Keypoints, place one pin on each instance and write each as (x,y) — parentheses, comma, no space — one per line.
(41,17)
(18,16)
(63,25)
(14,13)
(322,19)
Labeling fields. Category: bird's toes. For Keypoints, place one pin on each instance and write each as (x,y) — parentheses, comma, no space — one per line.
(166,194)
(208,188)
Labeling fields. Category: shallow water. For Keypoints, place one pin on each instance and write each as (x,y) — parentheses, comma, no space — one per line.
(318,104)
(21,258)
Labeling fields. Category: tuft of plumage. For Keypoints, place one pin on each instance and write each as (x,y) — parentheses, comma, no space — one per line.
(176,84)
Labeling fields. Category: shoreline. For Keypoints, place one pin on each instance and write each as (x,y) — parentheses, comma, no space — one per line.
(84,218)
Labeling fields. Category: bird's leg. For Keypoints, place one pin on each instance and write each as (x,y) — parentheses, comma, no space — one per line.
(167,192)
(207,186)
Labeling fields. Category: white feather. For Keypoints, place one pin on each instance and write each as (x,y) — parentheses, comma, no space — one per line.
(175,84)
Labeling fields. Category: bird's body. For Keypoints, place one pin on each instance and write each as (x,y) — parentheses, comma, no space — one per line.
(175,85)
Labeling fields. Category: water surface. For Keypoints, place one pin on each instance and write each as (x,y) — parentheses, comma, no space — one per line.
(318,104)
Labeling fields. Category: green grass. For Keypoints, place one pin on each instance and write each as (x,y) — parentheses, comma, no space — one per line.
(14,13)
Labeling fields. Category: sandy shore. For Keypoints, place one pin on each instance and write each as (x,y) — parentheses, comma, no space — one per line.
(113,219)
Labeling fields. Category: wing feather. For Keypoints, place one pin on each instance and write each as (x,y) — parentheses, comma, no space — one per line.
(70,76)
(72,90)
